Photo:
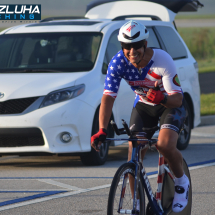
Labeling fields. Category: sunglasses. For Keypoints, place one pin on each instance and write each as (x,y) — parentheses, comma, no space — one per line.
(135,46)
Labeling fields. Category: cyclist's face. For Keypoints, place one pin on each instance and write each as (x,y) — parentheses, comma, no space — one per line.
(134,55)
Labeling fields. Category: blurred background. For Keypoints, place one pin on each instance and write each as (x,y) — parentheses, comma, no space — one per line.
(196,28)
(78,7)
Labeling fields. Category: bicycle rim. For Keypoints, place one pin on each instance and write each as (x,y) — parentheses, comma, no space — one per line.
(168,191)
(116,191)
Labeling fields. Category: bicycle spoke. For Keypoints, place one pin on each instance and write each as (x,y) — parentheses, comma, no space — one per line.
(127,200)
(120,197)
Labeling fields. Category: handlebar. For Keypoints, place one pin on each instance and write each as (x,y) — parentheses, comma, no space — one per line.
(126,129)
(115,128)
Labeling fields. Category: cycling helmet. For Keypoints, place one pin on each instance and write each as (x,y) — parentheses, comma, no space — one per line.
(132,32)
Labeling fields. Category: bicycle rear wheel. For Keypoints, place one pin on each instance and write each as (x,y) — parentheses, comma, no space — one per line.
(168,191)
(117,190)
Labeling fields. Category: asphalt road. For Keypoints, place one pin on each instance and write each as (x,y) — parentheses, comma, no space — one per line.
(207,84)
(62,185)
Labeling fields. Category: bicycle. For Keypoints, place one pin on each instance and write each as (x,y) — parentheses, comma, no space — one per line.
(120,200)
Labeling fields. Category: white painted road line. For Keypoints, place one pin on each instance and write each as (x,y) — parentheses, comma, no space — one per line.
(81,191)
(59,184)
(197,134)
(53,197)
(201,166)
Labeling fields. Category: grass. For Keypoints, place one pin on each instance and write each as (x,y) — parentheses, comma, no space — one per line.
(207,104)
(207,65)
(1,29)
(201,43)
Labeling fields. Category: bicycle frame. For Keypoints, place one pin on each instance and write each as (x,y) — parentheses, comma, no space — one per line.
(140,174)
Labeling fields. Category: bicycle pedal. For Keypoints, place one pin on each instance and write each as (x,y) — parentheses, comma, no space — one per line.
(135,212)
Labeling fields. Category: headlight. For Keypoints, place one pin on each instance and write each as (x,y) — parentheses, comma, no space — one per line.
(62,95)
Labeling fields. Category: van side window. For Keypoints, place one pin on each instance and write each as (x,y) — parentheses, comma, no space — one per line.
(152,40)
(113,47)
(172,42)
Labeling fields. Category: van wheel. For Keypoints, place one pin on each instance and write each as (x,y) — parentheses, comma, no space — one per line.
(184,136)
(94,158)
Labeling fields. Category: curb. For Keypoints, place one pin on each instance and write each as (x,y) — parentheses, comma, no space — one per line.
(207,120)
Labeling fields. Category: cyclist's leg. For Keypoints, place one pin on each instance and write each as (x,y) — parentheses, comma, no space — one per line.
(167,141)
(171,124)
(140,119)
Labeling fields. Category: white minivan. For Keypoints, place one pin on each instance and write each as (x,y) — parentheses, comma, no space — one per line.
(52,77)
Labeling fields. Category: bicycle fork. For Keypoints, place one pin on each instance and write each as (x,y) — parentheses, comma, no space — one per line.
(123,189)
(125,180)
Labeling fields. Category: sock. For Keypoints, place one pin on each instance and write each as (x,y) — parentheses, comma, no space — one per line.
(180,200)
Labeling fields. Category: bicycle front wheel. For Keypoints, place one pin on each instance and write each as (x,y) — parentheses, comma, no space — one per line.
(120,195)
(168,191)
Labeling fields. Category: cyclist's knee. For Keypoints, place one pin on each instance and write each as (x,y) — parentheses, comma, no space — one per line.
(167,140)
(166,145)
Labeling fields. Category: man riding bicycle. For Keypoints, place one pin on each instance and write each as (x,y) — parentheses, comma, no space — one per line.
(151,73)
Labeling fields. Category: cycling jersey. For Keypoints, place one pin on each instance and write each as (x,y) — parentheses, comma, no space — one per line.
(160,68)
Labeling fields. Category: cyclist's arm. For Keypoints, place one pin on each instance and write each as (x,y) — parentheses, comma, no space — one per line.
(171,83)
(105,110)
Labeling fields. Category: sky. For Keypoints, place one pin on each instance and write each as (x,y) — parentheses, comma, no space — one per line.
(78,7)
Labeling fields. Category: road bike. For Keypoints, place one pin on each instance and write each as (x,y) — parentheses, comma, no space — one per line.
(121,201)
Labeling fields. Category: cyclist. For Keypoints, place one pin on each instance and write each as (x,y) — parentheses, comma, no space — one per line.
(151,73)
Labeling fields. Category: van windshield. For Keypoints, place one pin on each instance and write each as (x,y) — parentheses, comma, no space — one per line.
(49,52)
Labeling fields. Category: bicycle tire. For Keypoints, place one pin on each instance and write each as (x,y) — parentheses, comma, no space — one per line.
(115,191)
(168,190)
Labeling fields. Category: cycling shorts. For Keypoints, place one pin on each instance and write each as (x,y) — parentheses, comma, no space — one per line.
(147,116)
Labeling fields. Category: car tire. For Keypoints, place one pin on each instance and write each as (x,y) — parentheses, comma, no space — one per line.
(94,158)
(184,136)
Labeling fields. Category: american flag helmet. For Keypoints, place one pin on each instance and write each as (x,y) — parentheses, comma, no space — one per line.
(132,32)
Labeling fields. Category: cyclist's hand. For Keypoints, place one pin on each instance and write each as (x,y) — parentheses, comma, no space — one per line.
(98,138)
(154,95)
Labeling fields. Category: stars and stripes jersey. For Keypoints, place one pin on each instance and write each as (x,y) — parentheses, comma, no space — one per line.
(160,68)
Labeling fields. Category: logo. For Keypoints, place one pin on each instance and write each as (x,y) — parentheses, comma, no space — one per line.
(1,95)
(136,83)
(179,189)
(130,28)
(177,205)
(145,83)
(20,12)
(176,81)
